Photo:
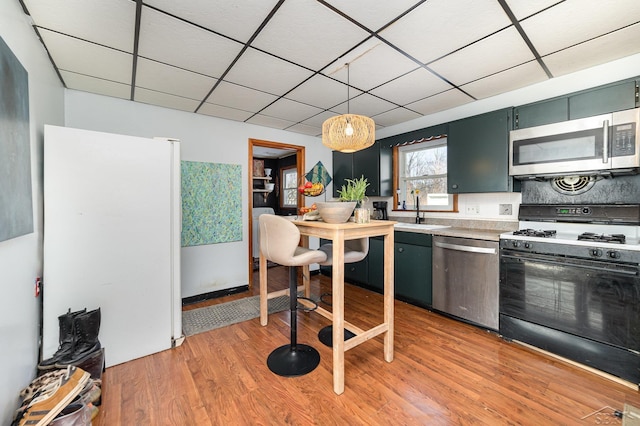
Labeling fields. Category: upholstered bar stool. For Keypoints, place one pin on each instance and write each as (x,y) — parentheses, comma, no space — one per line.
(354,251)
(279,239)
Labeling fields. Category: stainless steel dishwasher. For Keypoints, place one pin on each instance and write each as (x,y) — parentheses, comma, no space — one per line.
(465,279)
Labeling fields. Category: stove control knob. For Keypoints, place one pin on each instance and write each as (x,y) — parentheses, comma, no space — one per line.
(595,252)
(515,243)
(527,245)
(613,254)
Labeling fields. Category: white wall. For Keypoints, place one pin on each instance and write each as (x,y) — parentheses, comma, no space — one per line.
(205,268)
(21,258)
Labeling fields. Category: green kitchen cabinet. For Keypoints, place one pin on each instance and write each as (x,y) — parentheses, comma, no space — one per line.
(540,113)
(478,153)
(376,264)
(412,266)
(586,103)
(604,99)
(374,163)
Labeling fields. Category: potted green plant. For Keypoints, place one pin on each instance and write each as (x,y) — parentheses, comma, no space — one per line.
(354,190)
(350,197)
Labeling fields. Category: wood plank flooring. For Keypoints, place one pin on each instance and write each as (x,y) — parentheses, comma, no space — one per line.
(444,373)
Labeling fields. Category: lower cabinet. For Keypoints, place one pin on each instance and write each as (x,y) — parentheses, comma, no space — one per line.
(412,266)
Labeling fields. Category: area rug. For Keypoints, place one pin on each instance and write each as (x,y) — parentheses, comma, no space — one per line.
(211,317)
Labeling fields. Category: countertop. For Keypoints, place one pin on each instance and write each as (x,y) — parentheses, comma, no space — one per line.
(478,230)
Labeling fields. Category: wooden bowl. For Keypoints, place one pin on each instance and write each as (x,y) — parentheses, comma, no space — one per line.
(336,211)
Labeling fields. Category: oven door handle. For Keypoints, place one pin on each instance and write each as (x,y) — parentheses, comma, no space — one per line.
(470,249)
(618,269)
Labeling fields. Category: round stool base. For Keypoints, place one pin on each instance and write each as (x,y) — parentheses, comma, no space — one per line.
(291,363)
(326,335)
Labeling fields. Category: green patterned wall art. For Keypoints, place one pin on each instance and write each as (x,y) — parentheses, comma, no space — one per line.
(211,203)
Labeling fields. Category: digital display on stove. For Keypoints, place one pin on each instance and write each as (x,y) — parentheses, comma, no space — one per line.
(573,211)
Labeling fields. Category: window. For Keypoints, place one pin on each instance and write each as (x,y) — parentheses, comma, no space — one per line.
(421,170)
(289,187)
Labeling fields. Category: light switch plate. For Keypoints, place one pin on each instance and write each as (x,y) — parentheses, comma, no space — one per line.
(506,209)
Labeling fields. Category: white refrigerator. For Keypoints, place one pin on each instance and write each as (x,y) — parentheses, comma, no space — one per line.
(112,223)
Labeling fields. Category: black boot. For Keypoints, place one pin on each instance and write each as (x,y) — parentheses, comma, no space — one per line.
(86,328)
(66,340)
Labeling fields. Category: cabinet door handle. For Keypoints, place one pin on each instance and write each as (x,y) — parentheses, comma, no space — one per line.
(400,249)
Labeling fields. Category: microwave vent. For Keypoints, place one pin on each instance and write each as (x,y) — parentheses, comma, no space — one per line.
(573,185)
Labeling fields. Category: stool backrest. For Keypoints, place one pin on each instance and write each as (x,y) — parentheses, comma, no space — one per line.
(278,239)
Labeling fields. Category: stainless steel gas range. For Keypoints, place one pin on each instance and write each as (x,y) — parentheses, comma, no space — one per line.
(570,284)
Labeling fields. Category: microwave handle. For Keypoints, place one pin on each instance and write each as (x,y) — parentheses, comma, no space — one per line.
(605,141)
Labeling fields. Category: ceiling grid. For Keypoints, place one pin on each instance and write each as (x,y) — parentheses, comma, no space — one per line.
(281,63)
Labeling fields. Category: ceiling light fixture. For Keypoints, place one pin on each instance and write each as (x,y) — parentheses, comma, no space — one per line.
(348,132)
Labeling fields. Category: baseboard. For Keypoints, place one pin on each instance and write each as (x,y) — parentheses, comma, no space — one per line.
(214,295)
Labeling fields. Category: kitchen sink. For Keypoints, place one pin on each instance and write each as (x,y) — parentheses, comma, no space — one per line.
(425,226)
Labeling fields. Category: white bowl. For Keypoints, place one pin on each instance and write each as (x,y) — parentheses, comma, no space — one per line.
(269,186)
(336,211)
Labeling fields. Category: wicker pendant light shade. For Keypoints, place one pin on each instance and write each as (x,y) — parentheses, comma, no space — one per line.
(348,132)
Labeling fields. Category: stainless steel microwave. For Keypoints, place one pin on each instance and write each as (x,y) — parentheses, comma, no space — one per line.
(605,144)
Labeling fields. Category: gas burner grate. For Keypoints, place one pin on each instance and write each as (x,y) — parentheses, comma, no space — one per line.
(602,238)
(535,233)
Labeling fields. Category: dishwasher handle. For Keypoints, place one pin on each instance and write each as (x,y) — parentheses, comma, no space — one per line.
(470,249)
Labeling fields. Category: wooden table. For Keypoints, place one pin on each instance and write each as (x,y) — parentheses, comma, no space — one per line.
(338,233)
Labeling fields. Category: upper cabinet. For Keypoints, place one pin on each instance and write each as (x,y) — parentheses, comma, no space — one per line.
(601,100)
(374,163)
(478,153)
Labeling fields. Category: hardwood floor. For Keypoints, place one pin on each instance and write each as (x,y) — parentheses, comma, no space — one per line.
(444,373)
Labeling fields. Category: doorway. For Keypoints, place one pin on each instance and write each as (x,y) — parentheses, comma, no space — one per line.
(268,150)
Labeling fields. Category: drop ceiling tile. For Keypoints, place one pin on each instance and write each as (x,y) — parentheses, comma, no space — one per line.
(496,53)
(364,104)
(224,112)
(235,19)
(81,57)
(99,86)
(169,40)
(290,110)
(176,81)
(309,34)
(505,81)
(395,116)
(114,28)
(440,102)
(276,123)
(165,100)
(371,14)
(416,85)
(426,32)
(305,130)
(240,97)
(579,20)
(324,92)
(595,52)
(267,73)
(317,120)
(364,69)
(524,8)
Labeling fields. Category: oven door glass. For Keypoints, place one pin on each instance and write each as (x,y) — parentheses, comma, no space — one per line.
(596,300)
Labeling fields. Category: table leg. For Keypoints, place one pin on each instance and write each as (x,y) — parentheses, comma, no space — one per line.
(337,301)
(388,295)
(306,282)
(263,290)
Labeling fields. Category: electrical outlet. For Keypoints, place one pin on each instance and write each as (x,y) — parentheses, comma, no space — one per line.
(506,209)
(473,209)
